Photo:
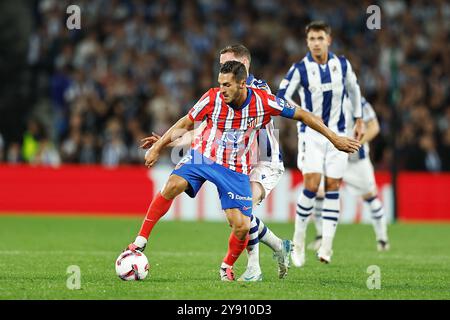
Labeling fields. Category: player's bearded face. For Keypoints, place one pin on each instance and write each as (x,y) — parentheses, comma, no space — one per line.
(318,42)
(230,89)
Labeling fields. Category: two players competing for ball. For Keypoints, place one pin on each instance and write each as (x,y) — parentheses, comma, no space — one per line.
(222,153)
(264,176)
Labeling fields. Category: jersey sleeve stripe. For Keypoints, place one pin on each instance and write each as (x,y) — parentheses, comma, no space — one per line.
(199,106)
(274,105)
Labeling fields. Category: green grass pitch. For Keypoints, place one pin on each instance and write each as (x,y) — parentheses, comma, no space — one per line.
(35,253)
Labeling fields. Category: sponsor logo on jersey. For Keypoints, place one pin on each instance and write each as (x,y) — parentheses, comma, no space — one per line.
(238,197)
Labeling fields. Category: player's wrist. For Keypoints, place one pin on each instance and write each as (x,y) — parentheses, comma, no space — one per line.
(333,137)
(158,146)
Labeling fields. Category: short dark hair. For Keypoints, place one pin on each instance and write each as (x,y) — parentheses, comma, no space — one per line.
(318,26)
(239,51)
(236,68)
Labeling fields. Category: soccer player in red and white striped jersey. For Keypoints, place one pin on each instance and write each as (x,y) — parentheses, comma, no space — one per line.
(222,153)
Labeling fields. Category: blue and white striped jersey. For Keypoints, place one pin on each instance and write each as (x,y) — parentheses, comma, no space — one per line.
(269,147)
(257,83)
(322,89)
(368,115)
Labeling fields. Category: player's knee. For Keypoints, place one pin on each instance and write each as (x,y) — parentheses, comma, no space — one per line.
(369,195)
(312,182)
(241,231)
(172,188)
(241,228)
(311,187)
(333,185)
(258,193)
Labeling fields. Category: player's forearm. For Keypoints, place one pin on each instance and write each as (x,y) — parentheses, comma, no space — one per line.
(174,133)
(184,140)
(372,130)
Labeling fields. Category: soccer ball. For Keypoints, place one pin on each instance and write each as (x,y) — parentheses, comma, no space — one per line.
(132,265)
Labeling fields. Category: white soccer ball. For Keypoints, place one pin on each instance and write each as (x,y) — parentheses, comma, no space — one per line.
(132,265)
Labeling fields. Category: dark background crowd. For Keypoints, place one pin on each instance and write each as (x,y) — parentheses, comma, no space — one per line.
(88,96)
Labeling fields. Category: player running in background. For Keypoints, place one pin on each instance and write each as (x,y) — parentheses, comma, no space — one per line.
(360,180)
(221,154)
(321,79)
(264,176)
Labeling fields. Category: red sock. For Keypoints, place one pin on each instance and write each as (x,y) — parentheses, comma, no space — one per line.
(156,210)
(235,248)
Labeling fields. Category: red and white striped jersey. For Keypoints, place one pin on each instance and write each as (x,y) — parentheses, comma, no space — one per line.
(229,134)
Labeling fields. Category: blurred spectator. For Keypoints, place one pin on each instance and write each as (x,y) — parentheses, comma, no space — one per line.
(445,150)
(137,66)
(31,140)
(88,149)
(13,153)
(47,155)
(432,159)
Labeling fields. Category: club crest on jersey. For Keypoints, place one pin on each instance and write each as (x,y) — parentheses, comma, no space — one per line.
(251,122)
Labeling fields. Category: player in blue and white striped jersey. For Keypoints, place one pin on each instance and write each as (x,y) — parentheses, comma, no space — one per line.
(360,178)
(321,79)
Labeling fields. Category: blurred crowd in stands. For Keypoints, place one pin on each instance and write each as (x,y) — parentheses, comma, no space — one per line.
(137,66)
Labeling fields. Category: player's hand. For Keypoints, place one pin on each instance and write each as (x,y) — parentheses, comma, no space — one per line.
(346,144)
(147,142)
(360,129)
(151,156)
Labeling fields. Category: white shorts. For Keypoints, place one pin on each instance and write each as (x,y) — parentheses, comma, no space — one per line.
(359,177)
(301,151)
(321,156)
(268,176)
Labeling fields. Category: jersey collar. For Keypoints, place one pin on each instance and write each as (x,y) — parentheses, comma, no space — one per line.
(310,58)
(250,79)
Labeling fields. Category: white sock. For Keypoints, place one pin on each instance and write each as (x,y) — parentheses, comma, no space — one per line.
(330,217)
(378,218)
(253,245)
(267,237)
(305,205)
(318,216)
(140,241)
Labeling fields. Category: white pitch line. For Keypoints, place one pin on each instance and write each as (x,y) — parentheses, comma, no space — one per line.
(69,252)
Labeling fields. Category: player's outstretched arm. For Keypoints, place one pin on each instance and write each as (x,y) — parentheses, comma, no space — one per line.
(345,144)
(185,140)
(175,132)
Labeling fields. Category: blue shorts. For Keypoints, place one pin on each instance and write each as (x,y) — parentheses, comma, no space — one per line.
(233,187)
